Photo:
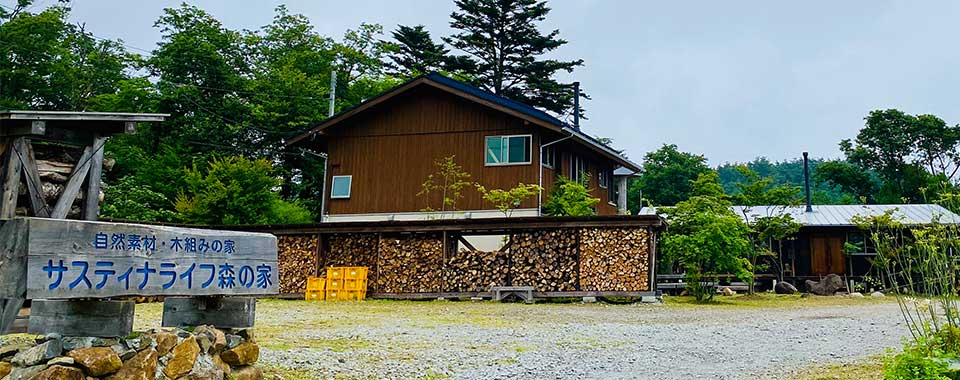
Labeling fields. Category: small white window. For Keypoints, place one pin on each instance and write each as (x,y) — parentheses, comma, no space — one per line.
(602,179)
(340,186)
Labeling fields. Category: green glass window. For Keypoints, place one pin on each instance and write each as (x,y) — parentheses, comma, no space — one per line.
(504,150)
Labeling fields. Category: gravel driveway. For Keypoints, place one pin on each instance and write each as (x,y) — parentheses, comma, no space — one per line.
(463,340)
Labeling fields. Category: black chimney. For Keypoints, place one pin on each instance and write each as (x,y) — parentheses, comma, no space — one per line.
(806,181)
(576,105)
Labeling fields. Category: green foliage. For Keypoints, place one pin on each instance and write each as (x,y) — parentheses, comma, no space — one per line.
(129,200)
(47,63)
(707,238)
(505,52)
(236,190)
(449,181)
(788,172)
(414,52)
(906,151)
(667,177)
(927,358)
(508,200)
(766,216)
(570,198)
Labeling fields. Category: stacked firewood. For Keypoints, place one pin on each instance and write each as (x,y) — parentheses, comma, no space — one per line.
(410,263)
(470,270)
(354,250)
(546,260)
(54,167)
(614,259)
(298,260)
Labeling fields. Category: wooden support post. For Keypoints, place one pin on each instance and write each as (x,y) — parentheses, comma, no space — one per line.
(223,313)
(100,318)
(31,176)
(13,269)
(443,261)
(79,173)
(11,179)
(9,308)
(91,201)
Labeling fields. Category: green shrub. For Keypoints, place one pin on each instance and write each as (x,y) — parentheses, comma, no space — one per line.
(926,358)
(570,198)
(236,190)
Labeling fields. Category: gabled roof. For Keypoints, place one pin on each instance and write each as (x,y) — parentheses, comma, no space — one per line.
(843,215)
(464,90)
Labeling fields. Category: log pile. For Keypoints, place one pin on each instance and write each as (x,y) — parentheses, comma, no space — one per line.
(298,260)
(410,263)
(354,250)
(469,270)
(546,260)
(55,166)
(614,259)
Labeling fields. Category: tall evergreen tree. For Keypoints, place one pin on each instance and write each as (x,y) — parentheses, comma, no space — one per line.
(414,52)
(504,52)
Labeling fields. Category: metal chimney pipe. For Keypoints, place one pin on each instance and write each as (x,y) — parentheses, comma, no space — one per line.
(576,105)
(333,92)
(806,181)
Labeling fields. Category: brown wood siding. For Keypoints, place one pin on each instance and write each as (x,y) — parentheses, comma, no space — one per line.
(565,151)
(390,150)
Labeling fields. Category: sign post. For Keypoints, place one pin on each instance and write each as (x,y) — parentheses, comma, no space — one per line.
(83,260)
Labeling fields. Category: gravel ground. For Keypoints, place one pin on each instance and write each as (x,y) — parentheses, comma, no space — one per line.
(463,340)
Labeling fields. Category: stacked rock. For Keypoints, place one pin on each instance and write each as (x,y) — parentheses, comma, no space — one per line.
(201,353)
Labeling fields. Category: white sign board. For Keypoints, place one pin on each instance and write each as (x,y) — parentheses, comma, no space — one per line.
(84,259)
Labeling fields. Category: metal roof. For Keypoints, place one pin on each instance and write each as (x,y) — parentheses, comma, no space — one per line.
(81,116)
(526,110)
(842,215)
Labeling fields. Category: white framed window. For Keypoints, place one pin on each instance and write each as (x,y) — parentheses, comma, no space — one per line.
(602,179)
(578,168)
(507,150)
(340,186)
(549,157)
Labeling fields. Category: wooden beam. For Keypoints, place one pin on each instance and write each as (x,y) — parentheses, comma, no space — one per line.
(9,309)
(34,127)
(11,180)
(31,176)
(91,201)
(466,243)
(70,191)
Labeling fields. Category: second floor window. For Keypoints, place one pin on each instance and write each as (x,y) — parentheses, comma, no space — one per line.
(507,150)
(549,157)
(578,169)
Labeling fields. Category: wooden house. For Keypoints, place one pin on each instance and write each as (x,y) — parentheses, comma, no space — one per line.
(829,240)
(380,152)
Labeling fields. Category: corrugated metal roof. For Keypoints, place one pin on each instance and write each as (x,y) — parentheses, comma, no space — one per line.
(842,215)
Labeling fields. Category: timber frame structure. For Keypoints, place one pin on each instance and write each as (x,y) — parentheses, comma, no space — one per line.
(19,130)
(594,256)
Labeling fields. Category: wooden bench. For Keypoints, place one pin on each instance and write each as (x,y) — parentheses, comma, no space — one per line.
(524,293)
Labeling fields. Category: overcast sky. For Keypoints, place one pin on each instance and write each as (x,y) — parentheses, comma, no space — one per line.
(730,80)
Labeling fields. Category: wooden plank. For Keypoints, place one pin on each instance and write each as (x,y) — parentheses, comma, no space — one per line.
(70,191)
(11,180)
(91,201)
(82,259)
(98,318)
(33,127)
(31,176)
(13,261)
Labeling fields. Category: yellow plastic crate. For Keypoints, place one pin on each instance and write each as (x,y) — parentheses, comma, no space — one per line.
(314,295)
(316,284)
(334,284)
(355,273)
(335,273)
(355,285)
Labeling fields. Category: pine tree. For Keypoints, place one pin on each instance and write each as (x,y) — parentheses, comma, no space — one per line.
(502,46)
(414,52)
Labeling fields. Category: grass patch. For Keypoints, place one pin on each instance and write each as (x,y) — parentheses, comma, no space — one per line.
(869,369)
(770,300)
(332,344)
(274,372)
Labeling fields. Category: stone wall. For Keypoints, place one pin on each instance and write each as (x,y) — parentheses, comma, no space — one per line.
(204,353)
